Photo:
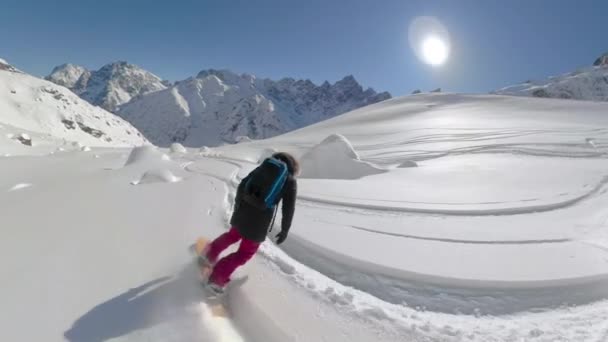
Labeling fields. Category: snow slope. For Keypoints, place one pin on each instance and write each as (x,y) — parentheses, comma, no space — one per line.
(109,87)
(220,106)
(590,83)
(481,159)
(504,215)
(499,234)
(47,112)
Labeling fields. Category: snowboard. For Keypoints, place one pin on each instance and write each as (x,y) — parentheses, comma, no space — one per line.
(217,303)
(205,269)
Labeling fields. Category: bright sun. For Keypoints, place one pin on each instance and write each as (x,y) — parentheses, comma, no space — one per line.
(434,50)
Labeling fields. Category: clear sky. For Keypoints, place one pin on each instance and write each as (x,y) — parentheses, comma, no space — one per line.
(494,43)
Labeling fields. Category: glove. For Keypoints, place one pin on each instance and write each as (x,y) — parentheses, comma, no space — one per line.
(281,237)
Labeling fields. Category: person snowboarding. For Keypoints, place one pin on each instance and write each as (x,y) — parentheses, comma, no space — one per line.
(255,207)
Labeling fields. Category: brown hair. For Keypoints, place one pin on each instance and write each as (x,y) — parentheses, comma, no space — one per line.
(292,163)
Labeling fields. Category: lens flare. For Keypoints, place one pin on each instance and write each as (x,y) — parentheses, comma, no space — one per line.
(430,40)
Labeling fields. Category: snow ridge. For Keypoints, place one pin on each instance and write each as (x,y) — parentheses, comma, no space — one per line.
(7,67)
(590,83)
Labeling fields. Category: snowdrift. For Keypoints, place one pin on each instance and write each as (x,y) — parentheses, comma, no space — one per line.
(157,176)
(146,154)
(335,158)
(177,148)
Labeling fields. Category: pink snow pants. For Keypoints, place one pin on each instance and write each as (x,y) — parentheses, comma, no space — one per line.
(227,265)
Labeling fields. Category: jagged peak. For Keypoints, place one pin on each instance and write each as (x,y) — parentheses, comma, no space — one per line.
(349,79)
(110,86)
(222,74)
(602,60)
(348,84)
(119,66)
(67,66)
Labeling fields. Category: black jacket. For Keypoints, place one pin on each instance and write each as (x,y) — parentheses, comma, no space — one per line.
(254,223)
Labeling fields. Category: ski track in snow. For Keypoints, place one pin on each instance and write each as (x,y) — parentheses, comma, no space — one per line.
(441,296)
(518,210)
(482,242)
(575,150)
(422,297)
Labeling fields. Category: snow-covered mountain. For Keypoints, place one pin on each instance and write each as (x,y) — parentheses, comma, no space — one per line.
(109,87)
(32,106)
(590,83)
(219,106)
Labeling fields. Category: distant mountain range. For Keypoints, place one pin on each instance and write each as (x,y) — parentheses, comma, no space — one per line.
(220,106)
(216,106)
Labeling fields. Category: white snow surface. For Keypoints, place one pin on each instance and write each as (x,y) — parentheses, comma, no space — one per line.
(157,176)
(499,234)
(589,83)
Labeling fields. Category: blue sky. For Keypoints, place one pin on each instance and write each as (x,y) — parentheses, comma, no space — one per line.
(494,43)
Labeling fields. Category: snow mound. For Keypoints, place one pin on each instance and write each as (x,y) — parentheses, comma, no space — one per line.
(335,158)
(407,163)
(266,153)
(177,148)
(145,154)
(157,176)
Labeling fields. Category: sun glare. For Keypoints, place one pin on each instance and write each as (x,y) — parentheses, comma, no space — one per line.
(429,40)
(434,51)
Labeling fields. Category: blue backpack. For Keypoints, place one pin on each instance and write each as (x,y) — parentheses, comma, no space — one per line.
(265,184)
